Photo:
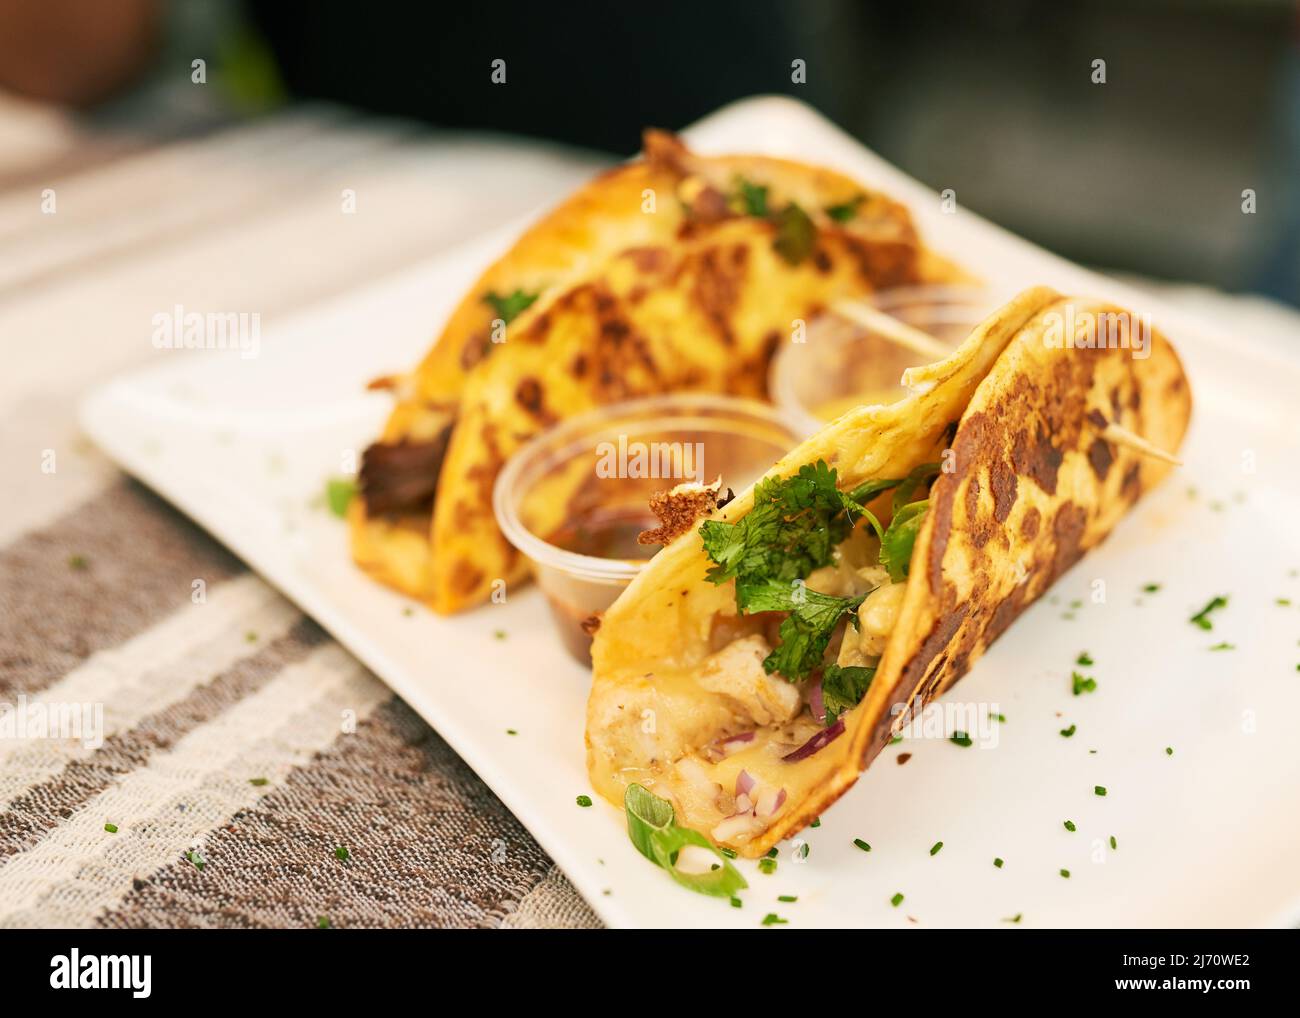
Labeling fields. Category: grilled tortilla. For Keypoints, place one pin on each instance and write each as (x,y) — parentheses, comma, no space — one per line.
(681,701)
(672,272)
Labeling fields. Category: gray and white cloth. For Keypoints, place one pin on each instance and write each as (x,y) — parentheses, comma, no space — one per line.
(233,753)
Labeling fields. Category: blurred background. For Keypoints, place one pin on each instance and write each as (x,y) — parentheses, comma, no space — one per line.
(1143,174)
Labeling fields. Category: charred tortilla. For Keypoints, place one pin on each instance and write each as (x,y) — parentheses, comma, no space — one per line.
(685,700)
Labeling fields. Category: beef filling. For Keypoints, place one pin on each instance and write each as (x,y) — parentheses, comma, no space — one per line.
(402,477)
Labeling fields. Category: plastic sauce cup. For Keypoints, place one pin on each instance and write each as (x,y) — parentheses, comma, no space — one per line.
(574,499)
(842,364)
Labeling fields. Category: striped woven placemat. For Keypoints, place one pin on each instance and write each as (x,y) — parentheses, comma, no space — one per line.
(235,767)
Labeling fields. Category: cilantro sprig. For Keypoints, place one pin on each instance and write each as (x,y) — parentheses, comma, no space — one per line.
(750,199)
(845,211)
(806,631)
(897,543)
(843,688)
(509,306)
(793,529)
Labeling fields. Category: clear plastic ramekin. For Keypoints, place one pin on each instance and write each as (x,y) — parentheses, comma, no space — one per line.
(574,498)
(844,363)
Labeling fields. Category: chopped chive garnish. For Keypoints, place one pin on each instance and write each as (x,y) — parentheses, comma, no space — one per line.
(323,922)
(736,903)
(1150,588)
(1202,617)
(198,860)
(1099,789)
(862,844)
(1224,645)
(111,828)
(511,731)
(961,739)
(1066,874)
(342,853)
(896,900)
(772,919)
(895,740)
(787,898)
(801,851)
(1169,750)
(1084,660)
(730,853)
(998,717)
(998,863)
(771,853)
(584,801)
(1082,683)
(817,822)
(258,782)
(1069,825)
(1284,602)
(1113,842)
(934,849)
(1067,732)
(767,866)
(1014,919)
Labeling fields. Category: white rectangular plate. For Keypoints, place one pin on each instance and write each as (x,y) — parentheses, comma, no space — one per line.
(1205,836)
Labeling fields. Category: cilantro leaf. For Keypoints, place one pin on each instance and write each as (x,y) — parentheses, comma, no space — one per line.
(896,545)
(339,492)
(795,234)
(907,487)
(510,306)
(793,528)
(843,688)
(868,490)
(751,198)
(844,211)
(805,632)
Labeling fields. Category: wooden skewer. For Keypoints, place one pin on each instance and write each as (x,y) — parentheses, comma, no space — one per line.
(1120,435)
(891,328)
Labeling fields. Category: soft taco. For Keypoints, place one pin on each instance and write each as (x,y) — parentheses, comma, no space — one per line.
(763,658)
(673,272)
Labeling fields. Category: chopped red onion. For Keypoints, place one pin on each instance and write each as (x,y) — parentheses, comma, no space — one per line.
(720,749)
(744,783)
(768,803)
(818,742)
(815,702)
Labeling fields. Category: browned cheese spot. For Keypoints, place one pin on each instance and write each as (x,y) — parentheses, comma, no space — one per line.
(716,289)
(1100,458)
(1029,523)
(1067,530)
(1002,479)
(883,264)
(465,577)
(528,394)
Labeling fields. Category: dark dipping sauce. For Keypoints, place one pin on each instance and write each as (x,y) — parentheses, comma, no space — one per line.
(607,532)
